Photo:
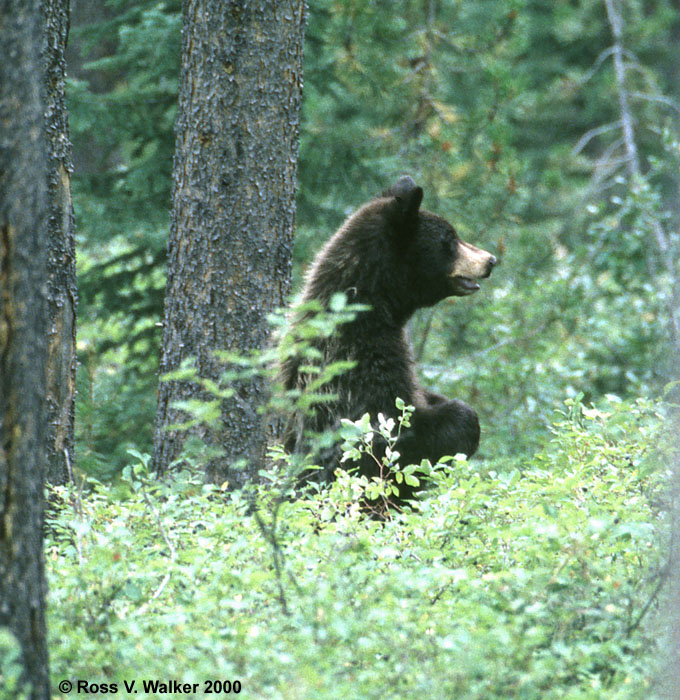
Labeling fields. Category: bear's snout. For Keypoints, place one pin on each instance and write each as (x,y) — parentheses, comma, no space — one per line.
(490,264)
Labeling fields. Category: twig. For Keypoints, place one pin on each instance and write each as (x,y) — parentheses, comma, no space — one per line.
(426,332)
(269,535)
(78,502)
(596,66)
(593,133)
(663,576)
(657,98)
(168,542)
(512,339)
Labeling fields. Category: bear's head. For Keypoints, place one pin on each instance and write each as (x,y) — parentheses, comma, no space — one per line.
(437,263)
(396,257)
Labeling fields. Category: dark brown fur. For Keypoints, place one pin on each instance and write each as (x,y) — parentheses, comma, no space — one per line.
(396,258)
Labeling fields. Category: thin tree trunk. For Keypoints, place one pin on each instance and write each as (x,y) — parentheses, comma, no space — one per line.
(635,172)
(61,374)
(615,24)
(23,330)
(229,254)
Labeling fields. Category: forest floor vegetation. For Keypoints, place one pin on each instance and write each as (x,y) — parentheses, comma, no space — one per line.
(543,579)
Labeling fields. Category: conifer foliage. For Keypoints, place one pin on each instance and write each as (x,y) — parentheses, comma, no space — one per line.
(508,113)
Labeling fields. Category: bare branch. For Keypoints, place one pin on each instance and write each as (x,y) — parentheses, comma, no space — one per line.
(657,98)
(615,23)
(596,66)
(168,542)
(606,164)
(594,133)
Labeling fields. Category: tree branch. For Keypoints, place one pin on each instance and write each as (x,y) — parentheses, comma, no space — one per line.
(593,133)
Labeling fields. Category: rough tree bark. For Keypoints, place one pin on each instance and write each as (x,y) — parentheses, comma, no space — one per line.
(229,254)
(23,331)
(61,367)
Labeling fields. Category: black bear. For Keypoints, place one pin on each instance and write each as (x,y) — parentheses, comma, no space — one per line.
(395,258)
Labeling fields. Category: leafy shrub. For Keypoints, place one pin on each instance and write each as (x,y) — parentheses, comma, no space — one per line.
(11,668)
(537,582)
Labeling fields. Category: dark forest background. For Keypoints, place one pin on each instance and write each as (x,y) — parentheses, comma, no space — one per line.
(548,133)
(508,113)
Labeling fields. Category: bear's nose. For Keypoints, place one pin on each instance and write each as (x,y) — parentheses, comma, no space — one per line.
(490,265)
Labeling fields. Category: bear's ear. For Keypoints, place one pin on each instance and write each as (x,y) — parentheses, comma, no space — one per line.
(408,195)
(403,210)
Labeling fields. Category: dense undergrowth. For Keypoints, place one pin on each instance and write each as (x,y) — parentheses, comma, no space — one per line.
(543,580)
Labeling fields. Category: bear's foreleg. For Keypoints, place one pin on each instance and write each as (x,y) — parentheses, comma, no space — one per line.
(433,399)
(441,428)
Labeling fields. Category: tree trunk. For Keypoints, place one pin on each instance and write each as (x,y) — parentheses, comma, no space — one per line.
(635,172)
(61,288)
(229,254)
(23,330)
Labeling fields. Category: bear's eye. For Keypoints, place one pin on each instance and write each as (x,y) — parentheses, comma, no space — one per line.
(447,246)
